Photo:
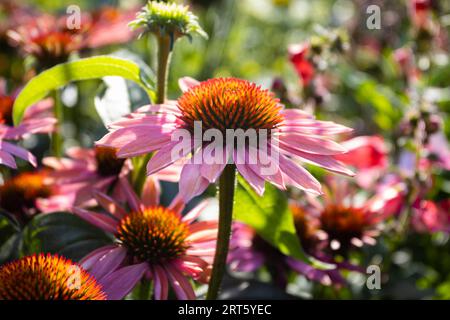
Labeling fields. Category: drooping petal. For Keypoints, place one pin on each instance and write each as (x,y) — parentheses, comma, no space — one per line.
(88,261)
(195,212)
(161,283)
(183,289)
(119,283)
(151,192)
(18,152)
(212,170)
(7,160)
(110,205)
(247,173)
(191,182)
(299,177)
(108,262)
(132,198)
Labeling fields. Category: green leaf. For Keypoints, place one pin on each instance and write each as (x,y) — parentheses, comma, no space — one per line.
(90,68)
(62,233)
(269,215)
(272,219)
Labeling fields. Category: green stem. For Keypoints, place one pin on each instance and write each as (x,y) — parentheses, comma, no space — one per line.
(164,53)
(57,141)
(139,174)
(227,183)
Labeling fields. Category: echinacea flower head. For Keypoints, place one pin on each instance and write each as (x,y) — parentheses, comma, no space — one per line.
(168,19)
(152,242)
(21,194)
(47,277)
(221,105)
(349,223)
(46,39)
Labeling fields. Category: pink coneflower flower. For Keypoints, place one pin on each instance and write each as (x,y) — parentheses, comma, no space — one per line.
(298,55)
(151,241)
(37,119)
(78,176)
(430,216)
(249,252)
(368,154)
(348,223)
(222,104)
(47,277)
(20,195)
(86,171)
(47,39)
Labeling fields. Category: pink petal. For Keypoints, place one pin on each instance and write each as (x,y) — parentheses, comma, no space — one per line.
(121,137)
(195,212)
(146,142)
(18,152)
(187,83)
(247,173)
(133,199)
(310,144)
(7,159)
(89,260)
(119,283)
(161,283)
(191,182)
(99,220)
(299,177)
(183,289)
(327,162)
(211,170)
(110,205)
(163,158)
(108,262)
(151,192)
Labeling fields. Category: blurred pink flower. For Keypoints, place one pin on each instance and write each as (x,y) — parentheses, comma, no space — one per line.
(37,119)
(151,242)
(368,154)
(298,55)
(420,12)
(223,104)
(86,171)
(430,216)
(110,26)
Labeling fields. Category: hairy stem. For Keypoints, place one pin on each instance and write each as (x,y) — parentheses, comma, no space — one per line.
(227,183)
(164,53)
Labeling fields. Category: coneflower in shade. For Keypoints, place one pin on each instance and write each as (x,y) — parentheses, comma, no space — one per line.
(37,119)
(229,103)
(151,242)
(47,277)
(249,252)
(347,222)
(21,194)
